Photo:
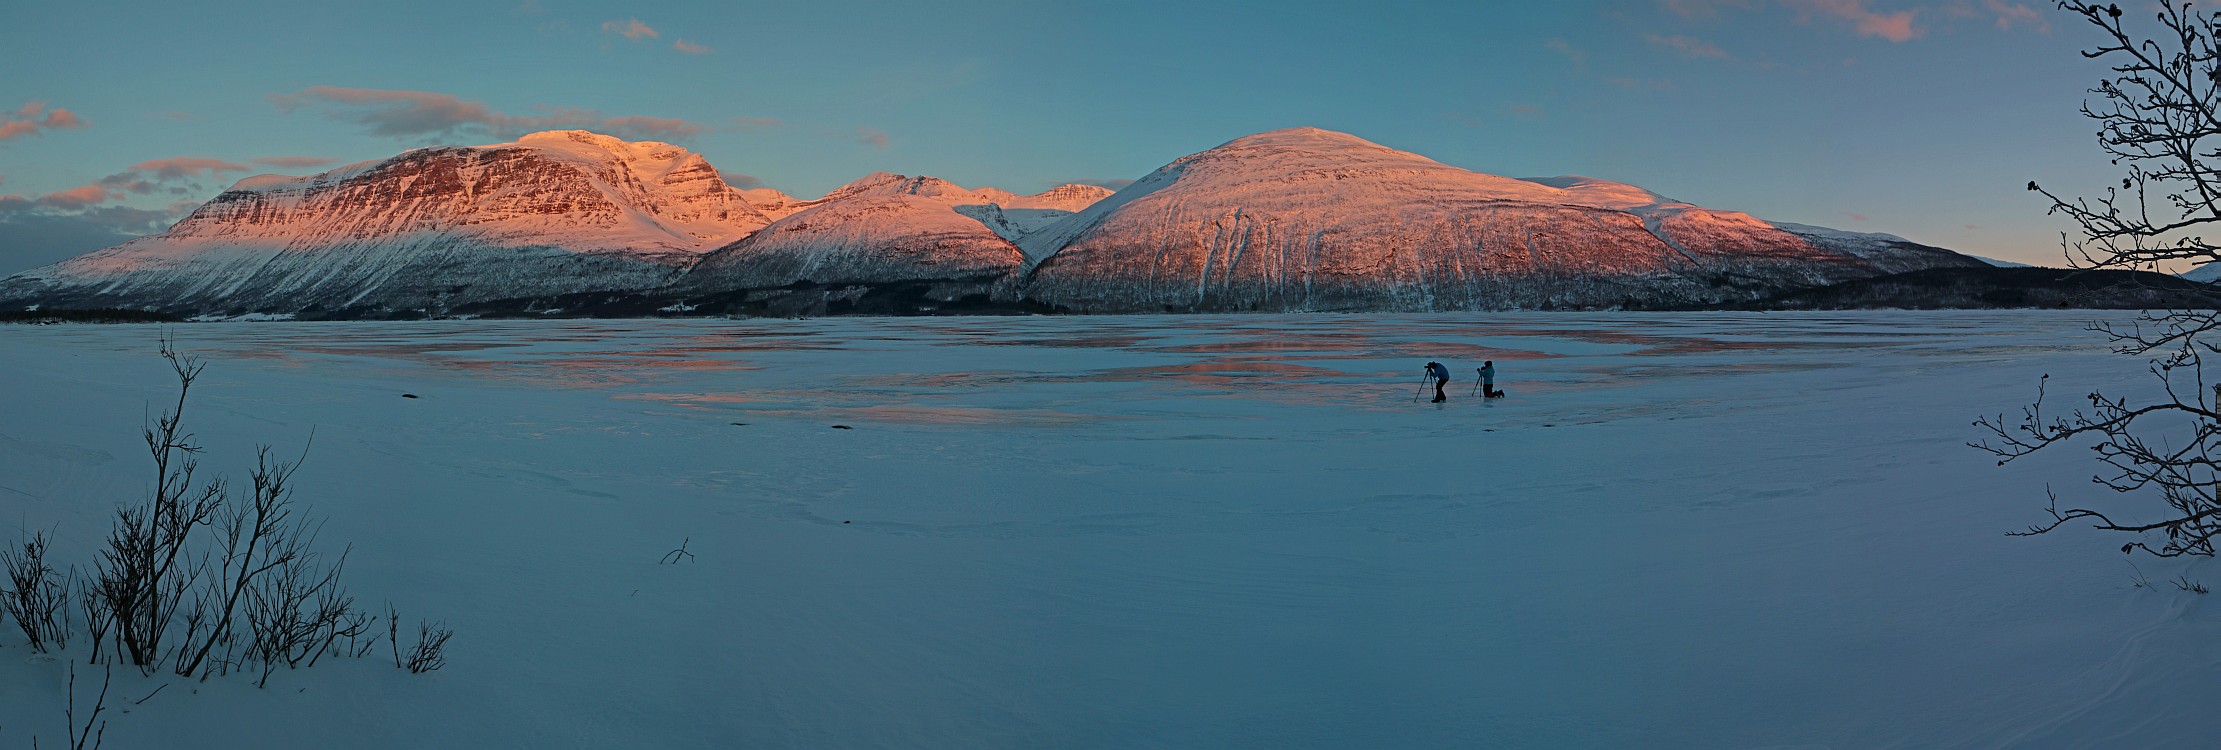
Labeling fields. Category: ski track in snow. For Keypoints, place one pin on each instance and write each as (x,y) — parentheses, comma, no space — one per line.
(1695,530)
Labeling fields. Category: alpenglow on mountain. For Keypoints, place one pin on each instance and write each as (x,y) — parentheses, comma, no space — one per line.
(570,222)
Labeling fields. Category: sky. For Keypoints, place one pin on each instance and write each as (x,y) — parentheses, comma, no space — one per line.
(1921,119)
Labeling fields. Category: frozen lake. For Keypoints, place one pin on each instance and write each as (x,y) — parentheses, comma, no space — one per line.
(1680,530)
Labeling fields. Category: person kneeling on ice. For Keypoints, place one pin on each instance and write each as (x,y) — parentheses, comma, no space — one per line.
(1441,377)
(1488,380)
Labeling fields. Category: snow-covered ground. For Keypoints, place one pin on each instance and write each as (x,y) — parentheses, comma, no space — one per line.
(1701,531)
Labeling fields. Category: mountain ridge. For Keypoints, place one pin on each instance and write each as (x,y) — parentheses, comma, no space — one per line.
(1293,219)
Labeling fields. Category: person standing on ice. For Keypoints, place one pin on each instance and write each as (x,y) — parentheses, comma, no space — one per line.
(1441,377)
(1488,379)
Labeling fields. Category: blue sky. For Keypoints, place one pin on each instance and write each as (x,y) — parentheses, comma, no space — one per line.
(1924,119)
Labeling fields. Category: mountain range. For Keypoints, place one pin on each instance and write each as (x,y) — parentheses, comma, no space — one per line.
(1303,219)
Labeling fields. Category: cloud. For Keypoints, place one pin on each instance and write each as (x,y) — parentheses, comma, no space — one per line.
(1894,26)
(1526,111)
(660,128)
(33,118)
(187,166)
(752,123)
(631,29)
(528,8)
(404,114)
(1117,183)
(1855,216)
(1704,8)
(689,47)
(33,234)
(740,181)
(1654,84)
(1688,46)
(872,137)
(2011,14)
(294,162)
(1572,54)
(75,198)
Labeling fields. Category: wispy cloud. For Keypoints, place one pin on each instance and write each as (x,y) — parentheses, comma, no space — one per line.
(661,128)
(873,137)
(752,123)
(1895,26)
(1526,111)
(1116,183)
(294,162)
(2016,14)
(186,166)
(740,181)
(690,47)
(1704,8)
(1565,49)
(631,28)
(34,118)
(404,114)
(1654,84)
(1687,46)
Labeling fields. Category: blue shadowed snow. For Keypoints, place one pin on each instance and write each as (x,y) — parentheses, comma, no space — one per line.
(1689,530)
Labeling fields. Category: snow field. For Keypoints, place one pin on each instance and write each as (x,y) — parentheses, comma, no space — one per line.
(1703,531)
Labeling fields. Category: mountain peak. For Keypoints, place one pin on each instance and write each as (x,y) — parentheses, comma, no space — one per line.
(609,143)
(1308,138)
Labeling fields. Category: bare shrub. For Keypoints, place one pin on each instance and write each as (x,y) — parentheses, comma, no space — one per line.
(203,581)
(37,597)
(431,647)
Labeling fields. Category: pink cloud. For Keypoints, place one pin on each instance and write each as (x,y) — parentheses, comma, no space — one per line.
(401,113)
(1894,26)
(62,119)
(32,118)
(1688,46)
(872,137)
(753,123)
(76,197)
(689,47)
(631,29)
(1855,216)
(293,162)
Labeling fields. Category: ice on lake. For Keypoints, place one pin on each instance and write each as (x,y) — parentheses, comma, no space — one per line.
(1700,530)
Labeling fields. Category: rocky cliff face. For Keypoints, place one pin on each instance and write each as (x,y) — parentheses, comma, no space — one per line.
(551,213)
(1308,219)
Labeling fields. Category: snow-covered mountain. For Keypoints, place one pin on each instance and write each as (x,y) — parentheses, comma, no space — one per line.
(2205,273)
(879,229)
(553,212)
(1299,219)
(1310,219)
(949,241)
